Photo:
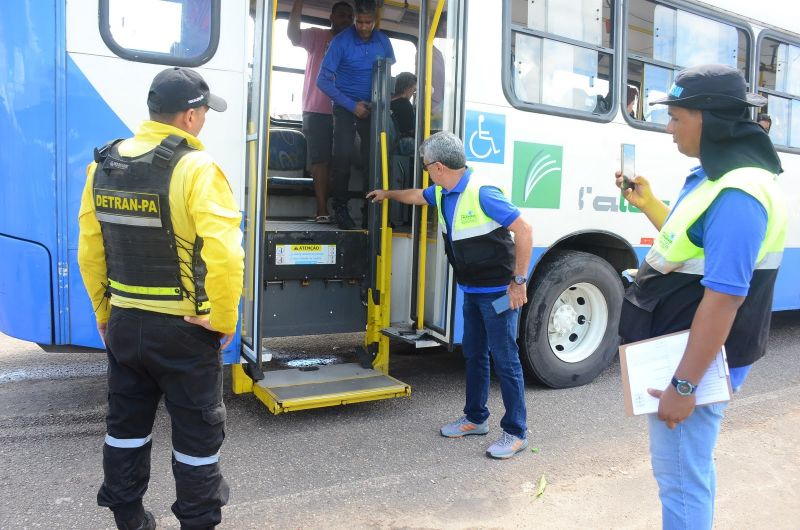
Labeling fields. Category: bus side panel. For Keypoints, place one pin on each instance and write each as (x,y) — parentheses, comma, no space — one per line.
(107,99)
(25,296)
(90,123)
(27,167)
(787,293)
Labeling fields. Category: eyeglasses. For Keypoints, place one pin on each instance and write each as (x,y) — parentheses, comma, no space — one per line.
(425,166)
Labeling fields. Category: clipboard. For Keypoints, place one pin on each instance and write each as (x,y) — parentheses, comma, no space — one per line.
(651,363)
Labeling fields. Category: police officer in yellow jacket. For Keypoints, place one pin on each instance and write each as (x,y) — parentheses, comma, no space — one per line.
(160,254)
(711,270)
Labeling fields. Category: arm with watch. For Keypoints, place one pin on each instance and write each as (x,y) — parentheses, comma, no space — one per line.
(710,327)
(523,243)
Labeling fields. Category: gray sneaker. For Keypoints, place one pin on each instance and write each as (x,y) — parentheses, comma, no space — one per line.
(463,427)
(507,446)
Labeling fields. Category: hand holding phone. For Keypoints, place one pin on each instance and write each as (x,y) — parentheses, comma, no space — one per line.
(627,166)
(501,304)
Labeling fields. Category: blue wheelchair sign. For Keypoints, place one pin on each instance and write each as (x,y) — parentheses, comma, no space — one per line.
(486,137)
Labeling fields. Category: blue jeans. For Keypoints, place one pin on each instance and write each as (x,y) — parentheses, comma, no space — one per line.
(485,331)
(683,465)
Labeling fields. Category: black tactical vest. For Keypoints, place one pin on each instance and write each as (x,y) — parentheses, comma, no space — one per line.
(131,198)
(482,261)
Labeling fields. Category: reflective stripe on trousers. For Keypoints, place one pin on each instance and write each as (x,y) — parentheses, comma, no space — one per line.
(127,443)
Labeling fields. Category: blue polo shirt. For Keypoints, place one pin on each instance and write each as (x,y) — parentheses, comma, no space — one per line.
(346,71)
(493,203)
(730,232)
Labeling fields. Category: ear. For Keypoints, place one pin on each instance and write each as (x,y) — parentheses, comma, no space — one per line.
(190,116)
(183,119)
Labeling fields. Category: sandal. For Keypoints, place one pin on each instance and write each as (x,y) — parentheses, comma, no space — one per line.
(323,219)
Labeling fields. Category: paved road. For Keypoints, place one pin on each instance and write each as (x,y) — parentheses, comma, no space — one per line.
(377,465)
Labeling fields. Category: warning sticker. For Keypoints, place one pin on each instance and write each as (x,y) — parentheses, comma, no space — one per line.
(305,254)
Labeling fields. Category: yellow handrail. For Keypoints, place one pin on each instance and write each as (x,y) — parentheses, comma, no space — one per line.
(382,285)
(423,239)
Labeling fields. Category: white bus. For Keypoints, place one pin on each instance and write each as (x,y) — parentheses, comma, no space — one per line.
(543,92)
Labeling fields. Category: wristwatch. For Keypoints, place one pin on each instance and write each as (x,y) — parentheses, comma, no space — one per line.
(683,387)
(520,280)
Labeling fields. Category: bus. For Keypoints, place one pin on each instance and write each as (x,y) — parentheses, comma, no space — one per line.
(543,93)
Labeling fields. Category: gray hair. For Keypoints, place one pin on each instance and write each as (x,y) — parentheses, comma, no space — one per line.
(444,147)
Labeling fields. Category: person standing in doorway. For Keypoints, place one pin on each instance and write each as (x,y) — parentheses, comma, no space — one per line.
(477,221)
(346,77)
(317,117)
(405,88)
(160,253)
(765,121)
(712,270)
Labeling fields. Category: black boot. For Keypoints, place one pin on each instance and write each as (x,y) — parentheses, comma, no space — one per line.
(137,522)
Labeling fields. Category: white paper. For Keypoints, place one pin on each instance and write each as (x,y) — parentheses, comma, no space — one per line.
(651,364)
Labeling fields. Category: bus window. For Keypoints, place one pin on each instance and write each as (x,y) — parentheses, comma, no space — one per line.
(174,32)
(662,40)
(288,72)
(561,54)
(289,68)
(779,82)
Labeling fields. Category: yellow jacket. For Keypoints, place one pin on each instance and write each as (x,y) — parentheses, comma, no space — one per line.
(201,204)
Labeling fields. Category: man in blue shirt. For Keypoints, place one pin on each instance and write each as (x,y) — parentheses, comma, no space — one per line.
(346,77)
(476,221)
(712,269)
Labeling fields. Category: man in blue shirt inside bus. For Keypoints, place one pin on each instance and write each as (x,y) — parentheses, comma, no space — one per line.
(346,77)
(476,221)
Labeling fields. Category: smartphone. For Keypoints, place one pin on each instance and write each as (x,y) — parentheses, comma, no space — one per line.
(628,165)
(501,304)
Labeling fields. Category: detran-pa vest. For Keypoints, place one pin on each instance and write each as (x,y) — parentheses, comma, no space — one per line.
(482,251)
(667,290)
(131,198)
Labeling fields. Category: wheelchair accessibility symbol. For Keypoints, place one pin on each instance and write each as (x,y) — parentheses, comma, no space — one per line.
(486,137)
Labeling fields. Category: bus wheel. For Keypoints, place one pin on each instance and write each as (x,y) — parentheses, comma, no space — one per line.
(568,329)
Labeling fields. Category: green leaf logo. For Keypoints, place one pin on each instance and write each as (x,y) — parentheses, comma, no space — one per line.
(537,175)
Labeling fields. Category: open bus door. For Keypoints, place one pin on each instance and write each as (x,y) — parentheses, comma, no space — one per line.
(426,315)
(307,278)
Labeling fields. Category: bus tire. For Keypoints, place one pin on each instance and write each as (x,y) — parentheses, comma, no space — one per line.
(568,329)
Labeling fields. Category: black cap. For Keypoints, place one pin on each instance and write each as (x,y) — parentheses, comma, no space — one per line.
(177,89)
(710,87)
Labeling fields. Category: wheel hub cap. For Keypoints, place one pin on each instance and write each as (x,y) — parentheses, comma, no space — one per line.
(565,319)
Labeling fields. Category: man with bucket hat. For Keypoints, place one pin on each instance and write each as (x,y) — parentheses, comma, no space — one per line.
(711,270)
(161,258)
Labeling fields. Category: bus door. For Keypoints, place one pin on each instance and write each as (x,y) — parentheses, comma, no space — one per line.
(424,288)
(305,277)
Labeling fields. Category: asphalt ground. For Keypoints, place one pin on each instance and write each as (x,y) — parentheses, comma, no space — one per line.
(371,465)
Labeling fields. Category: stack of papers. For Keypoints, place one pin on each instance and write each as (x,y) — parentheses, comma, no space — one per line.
(652,363)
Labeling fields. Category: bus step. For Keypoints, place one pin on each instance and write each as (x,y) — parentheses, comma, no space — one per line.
(420,339)
(325,386)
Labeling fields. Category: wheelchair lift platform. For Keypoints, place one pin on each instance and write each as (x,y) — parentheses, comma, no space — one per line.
(325,386)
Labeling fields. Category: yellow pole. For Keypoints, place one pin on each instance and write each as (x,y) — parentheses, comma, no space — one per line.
(423,229)
(384,215)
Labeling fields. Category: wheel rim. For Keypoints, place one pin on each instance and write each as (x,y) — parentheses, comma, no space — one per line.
(577,322)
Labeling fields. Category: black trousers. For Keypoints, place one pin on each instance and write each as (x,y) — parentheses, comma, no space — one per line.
(150,355)
(345,126)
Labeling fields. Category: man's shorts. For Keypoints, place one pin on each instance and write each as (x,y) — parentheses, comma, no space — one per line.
(318,129)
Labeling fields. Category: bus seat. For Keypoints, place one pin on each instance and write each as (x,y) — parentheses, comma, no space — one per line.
(287,162)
